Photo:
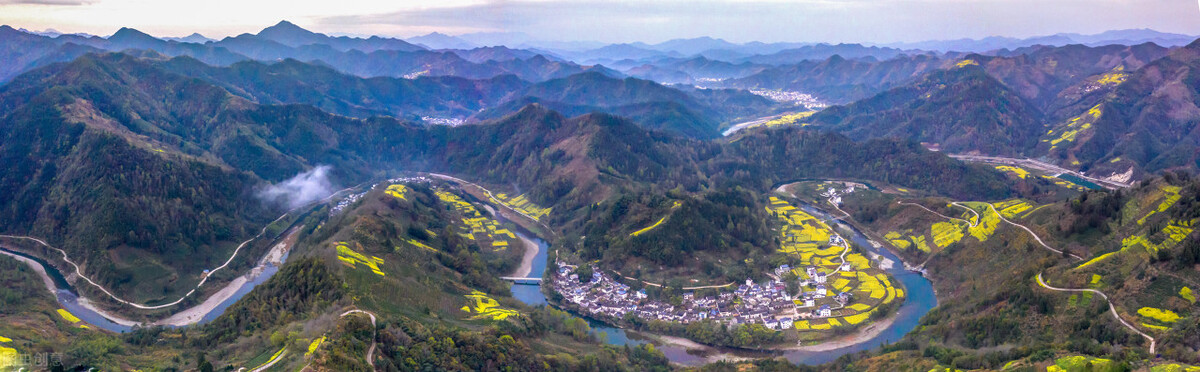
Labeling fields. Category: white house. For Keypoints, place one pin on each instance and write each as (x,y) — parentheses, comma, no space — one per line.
(824,311)
(820,277)
(785,323)
(846,266)
(821,292)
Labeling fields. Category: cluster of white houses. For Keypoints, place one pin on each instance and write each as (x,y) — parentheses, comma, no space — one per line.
(767,303)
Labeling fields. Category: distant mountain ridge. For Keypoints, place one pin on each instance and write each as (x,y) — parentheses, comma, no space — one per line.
(1123,37)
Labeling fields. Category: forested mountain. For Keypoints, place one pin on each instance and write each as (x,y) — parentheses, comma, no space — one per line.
(1146,124)
(961,109)
(840,80)
(369,57)
(1135,246)
(292,81)
(697,113)
(128,106)
(23,52)
(290,34)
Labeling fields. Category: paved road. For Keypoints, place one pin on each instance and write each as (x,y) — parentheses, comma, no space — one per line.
(1030,163)
(270,363)
(374,335)
(79,272)
(203,279)
(1112,308)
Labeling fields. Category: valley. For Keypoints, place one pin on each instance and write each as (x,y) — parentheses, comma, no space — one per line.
(291,200)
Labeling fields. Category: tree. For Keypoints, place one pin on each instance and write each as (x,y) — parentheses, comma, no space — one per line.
(585,273)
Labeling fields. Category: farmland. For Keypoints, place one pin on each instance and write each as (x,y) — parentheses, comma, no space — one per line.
(812,244)
(486,307)
(475,225)
(521,204)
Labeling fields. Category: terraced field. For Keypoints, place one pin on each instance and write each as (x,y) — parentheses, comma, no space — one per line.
(486,307)
(1017,171)
(476,226)
(1070,130)
(397,190)
(352,258)
(979,222)
(1173,232)
(812,243)
(523,205)
(790,119)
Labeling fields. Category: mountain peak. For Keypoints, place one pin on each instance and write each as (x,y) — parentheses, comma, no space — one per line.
(289,33)
(285,24)
(129,34)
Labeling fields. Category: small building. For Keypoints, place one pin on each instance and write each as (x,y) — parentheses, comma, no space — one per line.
(821,277)
(846,266)
(821,292)
(843,298)
(824,311)
(785,323)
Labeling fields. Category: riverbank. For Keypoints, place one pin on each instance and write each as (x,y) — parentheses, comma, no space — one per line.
(531,253)
(53,289)
(195,314)
(217,301)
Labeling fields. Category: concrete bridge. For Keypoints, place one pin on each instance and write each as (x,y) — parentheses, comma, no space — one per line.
(518,280)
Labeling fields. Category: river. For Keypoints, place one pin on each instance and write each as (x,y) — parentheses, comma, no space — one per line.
(921,298)
(69,299)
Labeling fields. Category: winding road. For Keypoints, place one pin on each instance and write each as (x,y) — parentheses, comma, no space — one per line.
(205,277)
(374,335)
(1112,308)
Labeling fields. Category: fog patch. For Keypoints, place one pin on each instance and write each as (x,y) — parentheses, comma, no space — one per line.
(304,188)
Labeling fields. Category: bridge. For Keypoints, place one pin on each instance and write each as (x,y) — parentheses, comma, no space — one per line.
(518,280)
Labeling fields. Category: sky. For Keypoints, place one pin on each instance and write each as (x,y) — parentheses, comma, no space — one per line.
(612,21)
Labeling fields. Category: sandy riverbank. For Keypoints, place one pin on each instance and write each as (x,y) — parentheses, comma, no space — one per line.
(53,289)
(711,354)
(531,252)
(195,313)
(863,335)
(187,316)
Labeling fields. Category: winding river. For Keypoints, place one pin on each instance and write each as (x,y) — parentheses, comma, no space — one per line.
(69,299)
(921,299)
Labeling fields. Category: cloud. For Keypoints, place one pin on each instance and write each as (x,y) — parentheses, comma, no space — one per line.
(304,188)
(47,2)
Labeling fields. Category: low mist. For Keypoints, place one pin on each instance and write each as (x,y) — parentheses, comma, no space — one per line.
(302,189)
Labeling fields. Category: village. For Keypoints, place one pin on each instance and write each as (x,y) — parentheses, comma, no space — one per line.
(836,287)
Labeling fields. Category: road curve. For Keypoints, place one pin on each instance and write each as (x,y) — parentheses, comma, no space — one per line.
(945,216)
(271,362)
(1112,308)
(204,279)
(79,272)
(374,335)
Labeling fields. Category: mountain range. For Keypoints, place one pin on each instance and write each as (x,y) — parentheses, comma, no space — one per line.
(149,161)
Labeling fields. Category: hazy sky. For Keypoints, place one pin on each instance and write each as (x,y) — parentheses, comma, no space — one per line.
(878,21)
